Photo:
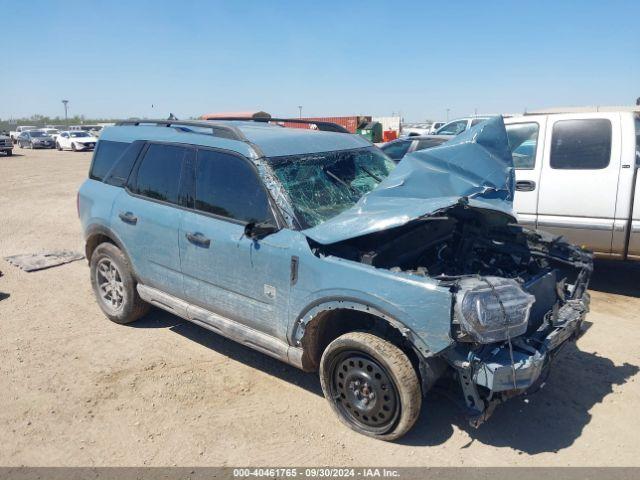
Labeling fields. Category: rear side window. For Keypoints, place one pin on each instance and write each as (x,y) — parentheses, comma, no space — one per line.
(523,141)
(227,186)
(107,153)
(396,150)
(581,144)
(119,172)
(158,175)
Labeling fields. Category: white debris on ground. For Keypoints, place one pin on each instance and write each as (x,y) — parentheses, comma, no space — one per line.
(31,262)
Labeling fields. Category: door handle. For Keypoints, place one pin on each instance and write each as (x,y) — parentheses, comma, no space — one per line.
(128,217)
(525,185)
(198,239)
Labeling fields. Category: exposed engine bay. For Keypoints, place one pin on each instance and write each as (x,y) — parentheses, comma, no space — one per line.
(518,294)
(463,241)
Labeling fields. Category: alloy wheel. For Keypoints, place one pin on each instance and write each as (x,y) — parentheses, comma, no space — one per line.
(110,285)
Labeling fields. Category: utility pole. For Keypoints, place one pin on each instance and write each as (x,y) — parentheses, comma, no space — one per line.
(300,110)
(66,108)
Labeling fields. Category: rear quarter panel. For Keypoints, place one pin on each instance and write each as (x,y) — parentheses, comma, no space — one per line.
(95,205)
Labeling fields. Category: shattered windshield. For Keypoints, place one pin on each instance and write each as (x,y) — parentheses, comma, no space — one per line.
(322,185)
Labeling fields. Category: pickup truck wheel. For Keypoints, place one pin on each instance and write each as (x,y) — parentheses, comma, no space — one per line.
(114,285)
(9,153)
(371,385)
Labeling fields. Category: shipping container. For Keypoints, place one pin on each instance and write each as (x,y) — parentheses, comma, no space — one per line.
(350,123)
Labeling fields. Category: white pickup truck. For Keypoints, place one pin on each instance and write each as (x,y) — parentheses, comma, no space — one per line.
(14,134)
(576,176)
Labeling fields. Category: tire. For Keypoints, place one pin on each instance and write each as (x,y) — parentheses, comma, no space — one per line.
(73,147)
(9,153)
(20,145)
(130,307)
(58,147)
(379,395)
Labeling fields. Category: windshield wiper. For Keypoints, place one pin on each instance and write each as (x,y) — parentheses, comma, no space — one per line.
(371,174)
(338,179)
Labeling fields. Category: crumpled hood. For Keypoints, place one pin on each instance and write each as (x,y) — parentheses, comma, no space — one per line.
(474,167)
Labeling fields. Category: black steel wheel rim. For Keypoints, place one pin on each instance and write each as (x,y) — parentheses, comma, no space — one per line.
(364,392)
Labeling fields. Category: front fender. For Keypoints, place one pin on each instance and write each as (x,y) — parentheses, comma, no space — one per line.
(424,319)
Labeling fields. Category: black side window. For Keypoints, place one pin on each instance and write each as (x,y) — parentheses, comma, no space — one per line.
(397,150)
(581,144)
(119,172)
(227,185)
(107,153)
(158,176)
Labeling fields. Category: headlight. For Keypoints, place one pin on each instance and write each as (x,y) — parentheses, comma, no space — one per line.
(487,310)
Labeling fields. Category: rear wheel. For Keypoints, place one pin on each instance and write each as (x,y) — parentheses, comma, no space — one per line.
(371,385)
(114,286)
(9,153)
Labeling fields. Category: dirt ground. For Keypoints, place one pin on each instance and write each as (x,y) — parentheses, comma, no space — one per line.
(76,389)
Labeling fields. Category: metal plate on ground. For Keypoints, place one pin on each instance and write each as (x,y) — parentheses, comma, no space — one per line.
(31,262)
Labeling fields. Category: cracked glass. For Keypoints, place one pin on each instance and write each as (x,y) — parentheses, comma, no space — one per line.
(322,185)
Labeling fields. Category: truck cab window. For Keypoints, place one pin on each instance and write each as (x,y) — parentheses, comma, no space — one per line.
(581,144)
(523,141)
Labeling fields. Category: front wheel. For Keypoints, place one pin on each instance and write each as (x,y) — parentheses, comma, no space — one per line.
(9,153)
(73,147)
(371,385)
(114,286)
(58,147)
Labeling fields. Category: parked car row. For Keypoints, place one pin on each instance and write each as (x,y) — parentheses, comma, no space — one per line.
(76,140)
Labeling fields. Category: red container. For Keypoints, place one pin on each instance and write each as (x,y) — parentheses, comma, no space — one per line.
(350,123)
(389,135)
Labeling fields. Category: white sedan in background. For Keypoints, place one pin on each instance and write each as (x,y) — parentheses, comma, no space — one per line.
(75,140)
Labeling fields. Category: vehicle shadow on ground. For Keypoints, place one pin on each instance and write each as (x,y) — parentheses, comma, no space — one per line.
(620,278)
(546,421)
(229,348)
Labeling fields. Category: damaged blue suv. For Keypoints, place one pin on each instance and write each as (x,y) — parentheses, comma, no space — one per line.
(311,246)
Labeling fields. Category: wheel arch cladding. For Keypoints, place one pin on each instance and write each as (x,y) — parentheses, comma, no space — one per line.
(326,322)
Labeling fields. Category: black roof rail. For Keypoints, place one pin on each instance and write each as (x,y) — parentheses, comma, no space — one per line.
(324,126)
(217,129)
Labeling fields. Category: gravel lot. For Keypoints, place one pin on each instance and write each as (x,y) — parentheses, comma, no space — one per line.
(76,389)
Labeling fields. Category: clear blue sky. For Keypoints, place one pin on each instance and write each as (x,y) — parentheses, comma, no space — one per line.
(118,58)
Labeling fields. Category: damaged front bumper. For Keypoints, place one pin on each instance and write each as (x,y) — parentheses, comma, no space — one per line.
(497,372)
